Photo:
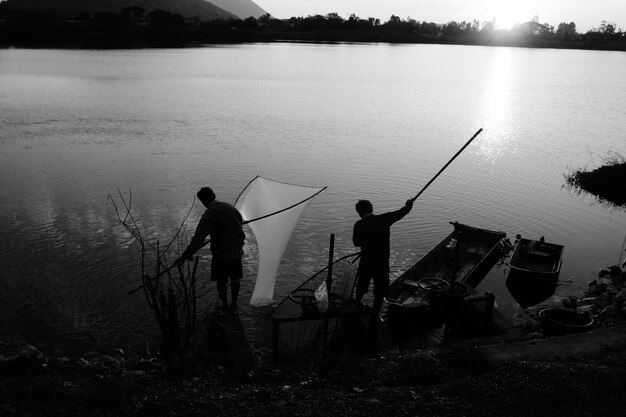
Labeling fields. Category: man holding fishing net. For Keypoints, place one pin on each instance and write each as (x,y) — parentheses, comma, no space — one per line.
(223,223)
(372,234)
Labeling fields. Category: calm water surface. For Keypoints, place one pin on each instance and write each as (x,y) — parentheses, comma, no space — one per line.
(372,121)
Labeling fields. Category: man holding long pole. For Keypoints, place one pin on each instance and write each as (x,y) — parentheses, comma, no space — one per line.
(372,234)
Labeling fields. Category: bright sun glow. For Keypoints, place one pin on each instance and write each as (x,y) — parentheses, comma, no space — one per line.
(509,14)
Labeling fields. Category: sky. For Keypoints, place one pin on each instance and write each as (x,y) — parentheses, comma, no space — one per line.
(585,13)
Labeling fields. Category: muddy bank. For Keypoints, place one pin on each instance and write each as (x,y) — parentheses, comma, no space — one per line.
(444,383)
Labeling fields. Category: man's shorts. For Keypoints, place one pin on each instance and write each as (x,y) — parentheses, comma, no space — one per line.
(222,269)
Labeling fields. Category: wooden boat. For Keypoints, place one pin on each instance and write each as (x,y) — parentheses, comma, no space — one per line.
(420,296)
(534,270)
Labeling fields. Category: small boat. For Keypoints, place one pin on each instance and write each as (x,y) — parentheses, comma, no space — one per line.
(534,270)
(418,299)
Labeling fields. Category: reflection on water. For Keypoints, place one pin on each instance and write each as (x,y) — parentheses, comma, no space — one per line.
(368,121)
(497,105)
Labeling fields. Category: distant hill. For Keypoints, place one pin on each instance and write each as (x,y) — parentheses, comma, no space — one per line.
(187,8)
(242,8)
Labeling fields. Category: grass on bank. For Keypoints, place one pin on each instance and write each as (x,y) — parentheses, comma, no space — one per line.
(608,182)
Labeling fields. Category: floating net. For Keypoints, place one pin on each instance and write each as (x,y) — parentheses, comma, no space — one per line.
(272,210)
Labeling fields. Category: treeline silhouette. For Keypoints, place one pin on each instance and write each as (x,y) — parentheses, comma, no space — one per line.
(133,27)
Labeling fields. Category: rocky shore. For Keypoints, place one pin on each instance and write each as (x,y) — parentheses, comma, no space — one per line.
(604,301)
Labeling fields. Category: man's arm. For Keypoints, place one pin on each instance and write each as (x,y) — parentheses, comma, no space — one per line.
(357,238)
(197,241)
(394,216)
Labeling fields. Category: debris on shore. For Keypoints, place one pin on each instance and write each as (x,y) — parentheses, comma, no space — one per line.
(604,301)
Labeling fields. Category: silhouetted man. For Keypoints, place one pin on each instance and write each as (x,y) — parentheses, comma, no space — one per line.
(372,234)
(223,223)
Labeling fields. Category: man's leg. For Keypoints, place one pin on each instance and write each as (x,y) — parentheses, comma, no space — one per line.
(219,275)
(236,273)
(381,290)
(362,284)
(377,306)
(222,292)
(359,295)
(234,290)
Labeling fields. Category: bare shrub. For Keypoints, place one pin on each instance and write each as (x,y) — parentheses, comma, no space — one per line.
(171,292)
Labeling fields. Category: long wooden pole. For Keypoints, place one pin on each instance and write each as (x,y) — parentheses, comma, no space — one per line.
(449,162)
(331,255)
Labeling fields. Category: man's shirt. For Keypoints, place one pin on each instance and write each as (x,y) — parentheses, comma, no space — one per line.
(372,234)
(223,223)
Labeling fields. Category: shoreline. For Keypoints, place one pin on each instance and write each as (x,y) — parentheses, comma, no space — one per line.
(86,35)
(527,377)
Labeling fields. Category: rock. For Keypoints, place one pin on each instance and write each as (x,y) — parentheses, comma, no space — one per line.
(264,395)
(133,364)
(608,310)
(59,362)
(594,288)
(82,363)
(586,301)
(6,359)
(532,325)
(111,361)
(30,352)
(137,373)
(569,302)
(90,355)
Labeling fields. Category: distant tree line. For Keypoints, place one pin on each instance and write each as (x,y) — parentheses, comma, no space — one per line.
(135,26)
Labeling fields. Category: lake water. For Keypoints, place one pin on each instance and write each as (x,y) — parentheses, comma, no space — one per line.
(373,121)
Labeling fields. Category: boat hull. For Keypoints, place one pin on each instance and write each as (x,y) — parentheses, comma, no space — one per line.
(534,270)
(465,256)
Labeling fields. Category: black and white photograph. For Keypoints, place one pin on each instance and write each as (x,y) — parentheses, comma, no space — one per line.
(312,208)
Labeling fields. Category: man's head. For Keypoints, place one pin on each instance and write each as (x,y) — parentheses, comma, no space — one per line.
(206,196)
(364,207)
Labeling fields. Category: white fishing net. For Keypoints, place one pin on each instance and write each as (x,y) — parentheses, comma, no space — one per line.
(263,197)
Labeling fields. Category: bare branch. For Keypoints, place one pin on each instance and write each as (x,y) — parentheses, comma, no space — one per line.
(173,297)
